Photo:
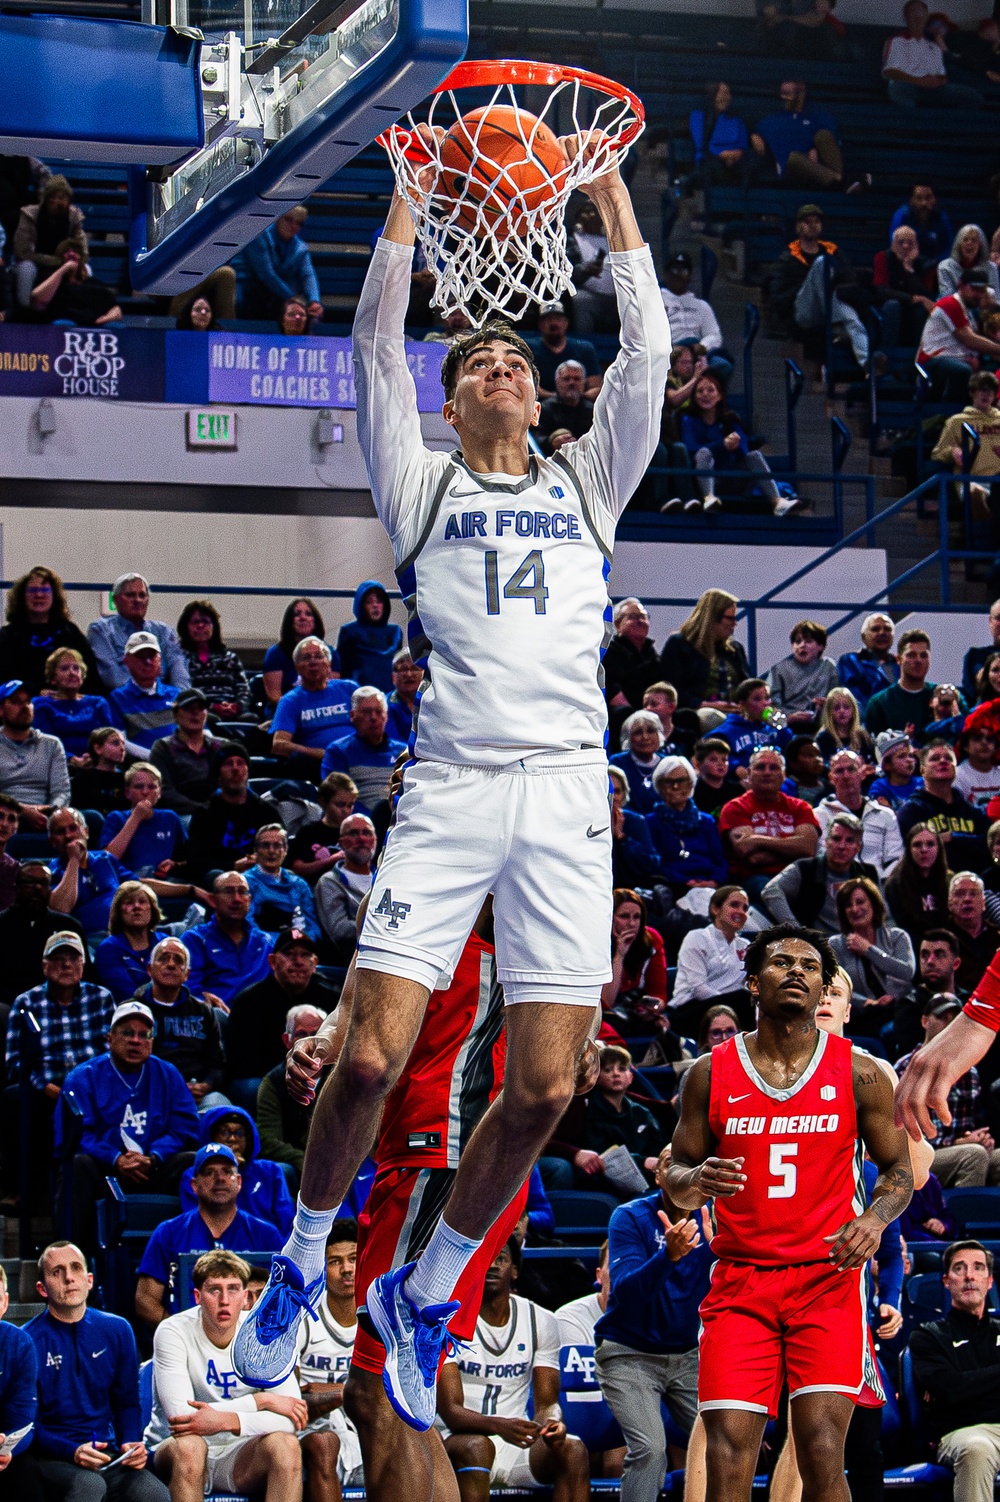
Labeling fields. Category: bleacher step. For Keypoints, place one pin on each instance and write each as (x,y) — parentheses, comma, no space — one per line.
(19,1314)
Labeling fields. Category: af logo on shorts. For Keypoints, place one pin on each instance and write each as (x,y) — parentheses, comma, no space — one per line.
(395,911)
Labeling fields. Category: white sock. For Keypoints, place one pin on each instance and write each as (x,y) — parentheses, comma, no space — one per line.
(440,1266)
(306,1246)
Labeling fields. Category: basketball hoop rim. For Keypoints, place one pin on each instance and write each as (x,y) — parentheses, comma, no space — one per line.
(493,73)
(489,72)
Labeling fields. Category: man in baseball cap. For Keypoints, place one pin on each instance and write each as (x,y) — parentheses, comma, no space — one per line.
(217,1222)
(32,765)
(139,1120)
(692,320)
(798,292)
(143,706)
(109,635)
(552,347)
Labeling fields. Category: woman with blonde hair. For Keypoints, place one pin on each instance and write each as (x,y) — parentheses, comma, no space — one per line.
(841,728)
(134,928)
(701,659)
(64,710)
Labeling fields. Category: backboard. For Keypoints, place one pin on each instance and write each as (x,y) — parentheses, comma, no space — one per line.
(288,98)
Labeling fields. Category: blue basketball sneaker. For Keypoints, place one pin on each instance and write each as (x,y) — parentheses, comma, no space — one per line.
(413,1339)
(266,1345)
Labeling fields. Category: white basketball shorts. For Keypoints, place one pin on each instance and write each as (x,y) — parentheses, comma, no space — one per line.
(537,834)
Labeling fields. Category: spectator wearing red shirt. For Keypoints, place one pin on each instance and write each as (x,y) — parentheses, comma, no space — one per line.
(950,346)
(765,830)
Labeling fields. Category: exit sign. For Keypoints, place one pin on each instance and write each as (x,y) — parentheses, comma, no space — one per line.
(211,428)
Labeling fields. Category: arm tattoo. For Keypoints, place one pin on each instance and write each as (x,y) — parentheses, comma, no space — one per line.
(892,1192)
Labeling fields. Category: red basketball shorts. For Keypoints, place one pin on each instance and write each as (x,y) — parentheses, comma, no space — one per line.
(395,1225)
(762,1326)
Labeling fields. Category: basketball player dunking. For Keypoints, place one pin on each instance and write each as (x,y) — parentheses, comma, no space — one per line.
(503,561)
(455,1069)
(773,1126)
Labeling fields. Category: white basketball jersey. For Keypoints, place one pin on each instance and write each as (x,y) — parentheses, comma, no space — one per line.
(325,1348)
(188,1367)
(508,610)
(505,576)
(325,1351)
(496,1366)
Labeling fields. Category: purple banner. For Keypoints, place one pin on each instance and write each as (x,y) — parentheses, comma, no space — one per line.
(113,362)
(274,371)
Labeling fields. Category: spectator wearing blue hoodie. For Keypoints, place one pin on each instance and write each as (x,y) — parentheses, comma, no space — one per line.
(647,1339)
(642,735)
(279,266)
(138,1121)
(748,726)
(369,754)
(264,1189)
(88,1390)
(367,645)
(686,840)
(20,1479)
(280,899)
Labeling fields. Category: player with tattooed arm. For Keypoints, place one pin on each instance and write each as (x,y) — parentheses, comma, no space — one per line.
(774,1125)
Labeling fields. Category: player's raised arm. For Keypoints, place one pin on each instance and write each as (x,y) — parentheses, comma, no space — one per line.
(937,1066)
(695,1176)
(887,1146)
(626,428)
(387,417)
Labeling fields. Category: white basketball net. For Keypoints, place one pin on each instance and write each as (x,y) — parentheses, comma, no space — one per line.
(489,254)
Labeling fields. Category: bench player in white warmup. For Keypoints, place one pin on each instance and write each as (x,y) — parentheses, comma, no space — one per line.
(503,560)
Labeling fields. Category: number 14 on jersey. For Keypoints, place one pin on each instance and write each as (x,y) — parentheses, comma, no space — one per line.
(516,587)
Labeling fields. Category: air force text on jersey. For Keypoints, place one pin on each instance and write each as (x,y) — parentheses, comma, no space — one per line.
(557,525)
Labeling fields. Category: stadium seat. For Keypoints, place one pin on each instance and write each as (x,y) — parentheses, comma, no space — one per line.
(976,1210)
(922,1474)
(585,1410)
(581,1213)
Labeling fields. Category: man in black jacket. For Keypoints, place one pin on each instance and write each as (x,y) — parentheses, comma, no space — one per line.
(256,1024)
(24,928)
(221,836)
(956,1368)
(797,298)
(805,893)
(187,1032)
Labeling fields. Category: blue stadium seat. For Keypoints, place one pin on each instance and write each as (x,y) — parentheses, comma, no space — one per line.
(579,1212)
(922,1474)
(977,1210)
(585,1410)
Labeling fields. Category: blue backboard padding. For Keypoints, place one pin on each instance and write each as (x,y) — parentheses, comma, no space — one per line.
(109,91)
(431,38)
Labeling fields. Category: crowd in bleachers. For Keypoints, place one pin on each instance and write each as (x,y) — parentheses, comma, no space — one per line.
(183,850)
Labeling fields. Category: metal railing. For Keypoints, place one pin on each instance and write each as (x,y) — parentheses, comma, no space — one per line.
(940,558)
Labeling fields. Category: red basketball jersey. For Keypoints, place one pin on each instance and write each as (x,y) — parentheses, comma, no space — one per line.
(454,1071)
(801,1151)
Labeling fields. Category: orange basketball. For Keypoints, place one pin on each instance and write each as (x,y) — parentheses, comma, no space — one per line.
(485,161)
